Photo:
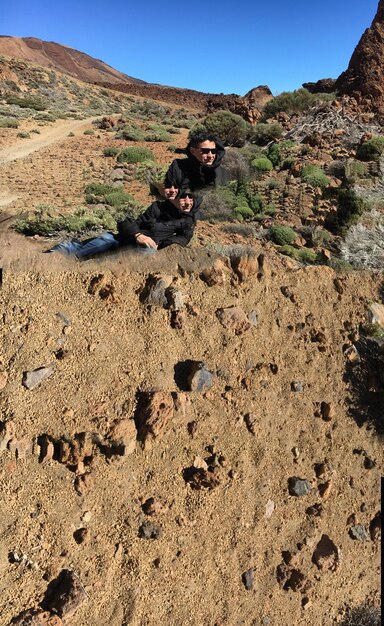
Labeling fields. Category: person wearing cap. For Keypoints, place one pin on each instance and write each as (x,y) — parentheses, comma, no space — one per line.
(202,167)
(165,222)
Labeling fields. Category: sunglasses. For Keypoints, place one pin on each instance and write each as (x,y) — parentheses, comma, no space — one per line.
(208,150)
(186,195)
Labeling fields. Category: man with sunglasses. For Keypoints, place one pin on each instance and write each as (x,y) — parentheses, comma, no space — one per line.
(165,222)
(202,167)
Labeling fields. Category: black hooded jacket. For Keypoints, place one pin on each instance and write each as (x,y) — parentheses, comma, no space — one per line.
(189,173)
(163,222)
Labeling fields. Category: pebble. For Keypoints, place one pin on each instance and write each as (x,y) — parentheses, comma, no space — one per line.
(269,508)
(149,530)
(64,595)
(248,579)
(200,378)
(34,378)
(359,533)
(299,486)
(297,387)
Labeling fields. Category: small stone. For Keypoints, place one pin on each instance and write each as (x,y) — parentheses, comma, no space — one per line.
(84,483)
(175,299)
(269,508)
(81,535)
(200,379)
(67,330)
(250,420)
(7,433)
(359,533)
(86,517)
(149,530)
(306,603)
(64,594)
(315,510)
(325,489)
(153,507)
(234,318)
(154,415)
(34,378)
(296,453)
(248,579)
(299,486)
(326,555)
(297,387)
(369,463)
(327,411)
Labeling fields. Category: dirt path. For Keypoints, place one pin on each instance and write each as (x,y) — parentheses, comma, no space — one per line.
(47,136)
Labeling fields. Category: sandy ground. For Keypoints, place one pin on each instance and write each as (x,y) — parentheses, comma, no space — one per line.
(217,461)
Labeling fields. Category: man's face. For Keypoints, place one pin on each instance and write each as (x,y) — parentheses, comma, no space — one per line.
(184,204)
(205,152)
(171,192)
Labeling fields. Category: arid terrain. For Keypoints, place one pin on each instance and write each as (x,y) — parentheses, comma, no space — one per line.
(192,438)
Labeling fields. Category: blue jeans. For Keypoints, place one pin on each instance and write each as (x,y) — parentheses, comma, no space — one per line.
(105,242)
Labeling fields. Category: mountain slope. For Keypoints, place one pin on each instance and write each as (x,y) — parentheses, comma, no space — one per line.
(62,58)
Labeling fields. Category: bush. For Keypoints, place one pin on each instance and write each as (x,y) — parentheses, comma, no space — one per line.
(23,135)
(350,208)
(118,198)
(239,229)
(314,176)
(282,235)
(131,133)
(27,102)
(158,136)
(8,122)
(364,247)
(362,616)
(135,154)
(270,209)
(111,152)
(218,205)
(98,189)
(89,132)
(290,102)
(262,134)
(243,211)
(279,152)
(305,255)
(262,164)
(236,165)
(229,127)
(371,150)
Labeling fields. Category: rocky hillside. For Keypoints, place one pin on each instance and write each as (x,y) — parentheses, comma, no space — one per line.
(364,77)
(63,59)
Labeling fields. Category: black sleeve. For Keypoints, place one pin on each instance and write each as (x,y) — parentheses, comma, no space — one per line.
(173,176)
(128,228)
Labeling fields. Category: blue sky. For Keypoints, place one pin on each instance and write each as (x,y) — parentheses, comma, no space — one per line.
(229,46)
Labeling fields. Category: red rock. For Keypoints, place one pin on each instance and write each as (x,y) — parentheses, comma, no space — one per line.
(234,318)
(155,412)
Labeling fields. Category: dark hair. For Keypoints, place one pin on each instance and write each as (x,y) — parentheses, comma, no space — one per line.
(200,137)
(183,193)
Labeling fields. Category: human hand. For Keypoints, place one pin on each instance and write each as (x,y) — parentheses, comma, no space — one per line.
(146,241)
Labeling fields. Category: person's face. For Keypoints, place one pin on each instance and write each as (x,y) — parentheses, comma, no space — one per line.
(205,152)
(171,192)
(184,204)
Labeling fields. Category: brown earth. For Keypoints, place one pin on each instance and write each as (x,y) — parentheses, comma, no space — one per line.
(278,339)
(62,58)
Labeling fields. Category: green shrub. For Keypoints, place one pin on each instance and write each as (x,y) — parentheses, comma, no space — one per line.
(118,198)
(23,135)
(26,102)
(131,132)
(244,211)
(229,127)
(262,134)
(157,136)
(135,154)
(282,235)
(8,122)
(98,189)
(371,150)
(290,102)
(35,130)
(71,134)
(111,152)
(245,230)
(350,208)
(301,254)
(270,209)
(262,164)
(315,176)
(273,183)
(89,132)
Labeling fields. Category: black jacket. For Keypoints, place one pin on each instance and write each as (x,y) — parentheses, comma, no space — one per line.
(163,222)
(189,173)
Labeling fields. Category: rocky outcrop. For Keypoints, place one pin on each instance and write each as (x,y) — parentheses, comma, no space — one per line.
(364,78)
